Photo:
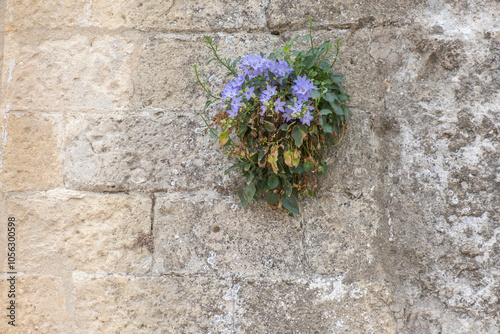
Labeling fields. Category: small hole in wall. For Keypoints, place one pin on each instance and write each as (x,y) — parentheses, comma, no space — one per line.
(275,32)
(216,229)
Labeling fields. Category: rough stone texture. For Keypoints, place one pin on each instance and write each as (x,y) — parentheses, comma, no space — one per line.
(173,16)
(343,14)
(157,15)
(147,151)
(164,77)
(69,230)
(315,306)
(67,72)
(210,233)
(402,236)
(151,305)
(41,305)
(30,152)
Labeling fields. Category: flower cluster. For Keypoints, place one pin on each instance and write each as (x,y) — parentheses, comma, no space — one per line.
(278,116)
(276,97)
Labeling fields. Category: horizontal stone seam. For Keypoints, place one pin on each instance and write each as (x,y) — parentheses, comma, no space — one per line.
(31,193)
(303,279)
(141,33)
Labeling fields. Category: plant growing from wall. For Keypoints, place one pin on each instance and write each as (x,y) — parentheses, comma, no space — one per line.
(279,116)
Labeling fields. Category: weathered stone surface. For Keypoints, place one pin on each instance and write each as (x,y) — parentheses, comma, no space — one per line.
(164,76)
(152,305)
(402,236)
(344,14)
(67,72)
(151,150)
(51,14)
(193,16)
(29,151)
(312,306)
(41,305)
(69,230)
(206,232)
(439,187)
(341,235)
(159,15)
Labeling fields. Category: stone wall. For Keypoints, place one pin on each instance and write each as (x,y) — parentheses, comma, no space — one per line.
(126,223)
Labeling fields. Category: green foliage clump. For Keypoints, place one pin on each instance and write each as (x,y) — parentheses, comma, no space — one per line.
(279,116)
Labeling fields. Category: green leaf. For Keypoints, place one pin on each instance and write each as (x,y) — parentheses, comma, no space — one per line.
(213,133)
(207,104)
(308,166)
(224,138)
(325,112)
(343,97)
(273,182)
(315,94)
(290,203)
(287,187)
(298,134)
(327,128)
(243,200)
(309,61)
(346,110)
(330,97)
(209,61)
(299,169)
(243,126)
(306,37)
(233,167)
(322,121)
(337,78)
(249,191)
(309,193)
(269,126)
(249,178)
(272,198)
(323,168)
(337,108)
(283,127)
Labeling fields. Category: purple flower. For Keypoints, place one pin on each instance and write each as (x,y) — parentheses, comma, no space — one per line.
(302,88)
(235,106)
(248,93)
(294,111)
(263,108)
(232,113)
(269,91)
(307,118)
(253,65)
(278,105)
(280,68)
(229,92)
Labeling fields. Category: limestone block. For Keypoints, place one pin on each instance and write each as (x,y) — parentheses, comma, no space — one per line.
(151,305)
(62,230)
(29,151)
(340,235)
(67,72)
(352,165)
(342,14)
(146,151)
(41,305)
(321,305)
(193,16)
(51,14)
(165,71)
(206,232)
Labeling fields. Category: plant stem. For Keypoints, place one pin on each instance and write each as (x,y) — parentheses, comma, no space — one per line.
(208,126)
(202,84)
(214,51)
